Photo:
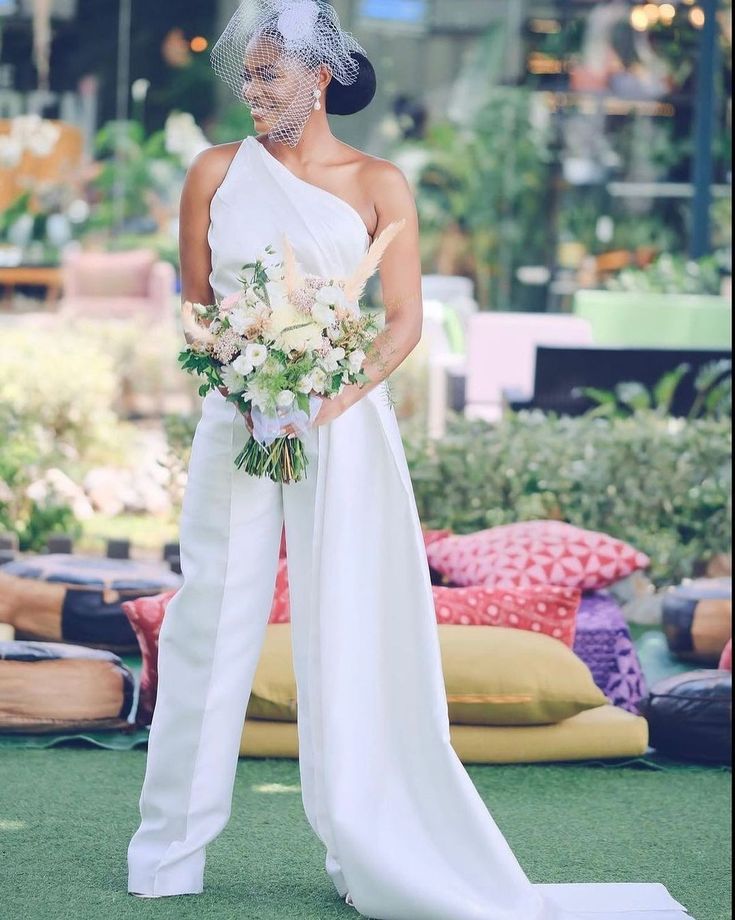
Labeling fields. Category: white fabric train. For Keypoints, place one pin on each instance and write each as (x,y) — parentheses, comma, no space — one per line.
(405,830)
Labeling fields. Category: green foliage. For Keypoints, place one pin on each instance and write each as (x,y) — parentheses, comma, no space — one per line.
(63,385)
(664,485)
(140,166)
(492,181)
(56,393)
(670,274)
(23,448)
(234,124)
(713,387)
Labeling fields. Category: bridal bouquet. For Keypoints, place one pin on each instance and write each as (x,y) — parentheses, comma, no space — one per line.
(281,345)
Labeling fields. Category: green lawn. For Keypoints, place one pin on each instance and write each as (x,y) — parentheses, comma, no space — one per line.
(68,813)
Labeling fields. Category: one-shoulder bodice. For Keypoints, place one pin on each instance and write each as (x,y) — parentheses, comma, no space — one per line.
(259,200)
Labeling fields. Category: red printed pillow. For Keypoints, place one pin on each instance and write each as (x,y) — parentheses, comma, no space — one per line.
(535,553)
(281,609)
(540,608)
(146,615)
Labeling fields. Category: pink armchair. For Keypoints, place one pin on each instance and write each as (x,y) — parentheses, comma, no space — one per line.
(117,285)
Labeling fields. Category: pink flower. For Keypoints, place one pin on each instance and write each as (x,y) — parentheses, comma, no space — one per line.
(230,302)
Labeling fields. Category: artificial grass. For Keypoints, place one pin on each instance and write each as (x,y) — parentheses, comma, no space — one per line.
(68,813)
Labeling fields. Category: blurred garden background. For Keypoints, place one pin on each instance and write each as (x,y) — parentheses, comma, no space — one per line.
(566,419)
(571,163)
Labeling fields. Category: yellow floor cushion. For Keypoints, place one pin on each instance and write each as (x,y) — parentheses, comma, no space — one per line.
(493,676)
(604,733)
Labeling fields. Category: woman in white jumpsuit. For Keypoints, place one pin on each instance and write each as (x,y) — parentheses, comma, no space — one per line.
(406,834)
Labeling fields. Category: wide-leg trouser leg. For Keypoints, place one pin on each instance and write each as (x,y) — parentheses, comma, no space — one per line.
(210,642)
(299,504)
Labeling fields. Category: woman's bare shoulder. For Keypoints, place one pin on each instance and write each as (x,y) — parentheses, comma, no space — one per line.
(384,183)
(209,168)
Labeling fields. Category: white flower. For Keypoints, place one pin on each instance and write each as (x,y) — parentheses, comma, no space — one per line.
(242,365)
(306,337)
(256,354)
(234,382)
(356,360)
(200,308)
(285,399)
(332,359)
(241,321)
(318,379)
(258,396)
(329,295)
(323,314)
(306,384)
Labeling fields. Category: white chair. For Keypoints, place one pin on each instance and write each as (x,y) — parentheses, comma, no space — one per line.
(442,293)
(501,355)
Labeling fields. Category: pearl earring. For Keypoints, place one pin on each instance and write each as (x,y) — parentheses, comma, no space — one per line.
(318,99)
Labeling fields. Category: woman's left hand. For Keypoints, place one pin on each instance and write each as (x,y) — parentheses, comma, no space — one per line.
(330,409)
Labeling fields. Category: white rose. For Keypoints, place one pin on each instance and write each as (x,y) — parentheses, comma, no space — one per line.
(333,357)
(285,399)
(356,360)
(242,365)
(305,385)
(256,354)
(234,382)
(318,379)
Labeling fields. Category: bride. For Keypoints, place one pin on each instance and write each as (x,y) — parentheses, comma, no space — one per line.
(407,836)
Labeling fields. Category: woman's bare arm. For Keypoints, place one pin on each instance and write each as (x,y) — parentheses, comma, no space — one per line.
(400,277)
(203,178)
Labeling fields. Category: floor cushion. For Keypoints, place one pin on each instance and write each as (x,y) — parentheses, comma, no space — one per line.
(697,619)
(540,608)
(690,715)
(145,615)
(604,733)
(603,641)
(532,553)
(493,676)
(546,609)
(53,686)
(78,599)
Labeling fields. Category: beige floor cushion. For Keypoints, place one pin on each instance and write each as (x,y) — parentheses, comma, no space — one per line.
(605,733)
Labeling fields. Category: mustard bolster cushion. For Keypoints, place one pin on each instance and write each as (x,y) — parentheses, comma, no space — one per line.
(493,676)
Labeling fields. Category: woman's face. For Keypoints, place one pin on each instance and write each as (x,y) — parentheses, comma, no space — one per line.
(278,88)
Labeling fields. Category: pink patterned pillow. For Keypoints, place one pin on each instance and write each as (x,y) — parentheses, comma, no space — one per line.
(541,608)
(535,553)
(146,615)
(281,609)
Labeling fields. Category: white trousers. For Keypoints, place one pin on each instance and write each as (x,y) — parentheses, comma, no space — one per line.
(382,786)
(209,646)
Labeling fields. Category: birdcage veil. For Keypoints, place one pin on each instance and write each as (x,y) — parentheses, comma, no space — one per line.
(269,55)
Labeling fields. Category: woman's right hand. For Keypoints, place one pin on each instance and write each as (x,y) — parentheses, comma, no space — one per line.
(244,412)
